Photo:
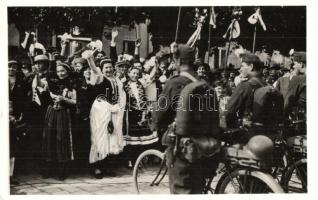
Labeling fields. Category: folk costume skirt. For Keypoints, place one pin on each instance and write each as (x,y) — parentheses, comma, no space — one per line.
(136,134)
(57,145)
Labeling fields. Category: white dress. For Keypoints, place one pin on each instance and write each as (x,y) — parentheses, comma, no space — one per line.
(102,112)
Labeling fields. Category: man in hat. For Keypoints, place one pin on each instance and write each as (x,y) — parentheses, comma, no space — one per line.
(298,68)
(273,74)
(238,105)
(38,99)
(121,68)
(184,177)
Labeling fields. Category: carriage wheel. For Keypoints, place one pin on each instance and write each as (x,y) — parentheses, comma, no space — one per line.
(247,181)
(150,173)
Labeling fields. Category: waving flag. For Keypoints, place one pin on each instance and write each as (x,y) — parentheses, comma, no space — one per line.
(233,31)
(254,18)
(213,18)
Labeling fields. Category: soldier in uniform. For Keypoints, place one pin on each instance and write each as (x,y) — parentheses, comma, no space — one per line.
(296,92)
(184,177)
(295,96)
(240,103)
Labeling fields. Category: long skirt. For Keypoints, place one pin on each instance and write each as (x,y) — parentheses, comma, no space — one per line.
(104,142)
(138,137)
(57,143)
(138,134)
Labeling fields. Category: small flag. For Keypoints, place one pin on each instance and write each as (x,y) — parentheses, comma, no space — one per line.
(233,31)
(254,18)
(213,18)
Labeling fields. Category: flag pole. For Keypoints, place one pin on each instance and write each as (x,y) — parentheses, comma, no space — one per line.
(228,48)
(209,41)
(254,39)
(178,21)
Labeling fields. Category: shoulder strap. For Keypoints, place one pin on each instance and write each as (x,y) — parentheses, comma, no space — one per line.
(257,81)
(189,76)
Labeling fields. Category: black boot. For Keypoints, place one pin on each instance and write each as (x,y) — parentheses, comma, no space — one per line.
(98,174)
(97,170)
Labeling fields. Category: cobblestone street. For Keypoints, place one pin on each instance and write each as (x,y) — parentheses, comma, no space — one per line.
(75,184)
(83,183)
(78,184)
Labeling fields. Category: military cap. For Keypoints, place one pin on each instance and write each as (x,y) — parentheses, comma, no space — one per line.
(39,58)
(299,56)
(186,53)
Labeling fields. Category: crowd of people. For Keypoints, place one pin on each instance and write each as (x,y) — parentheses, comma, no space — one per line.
(95,109)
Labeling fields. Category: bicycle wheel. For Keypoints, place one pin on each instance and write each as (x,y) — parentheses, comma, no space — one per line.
(294,179)
(150,173)
(247,181)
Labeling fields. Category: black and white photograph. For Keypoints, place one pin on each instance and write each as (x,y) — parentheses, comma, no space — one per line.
(134,100)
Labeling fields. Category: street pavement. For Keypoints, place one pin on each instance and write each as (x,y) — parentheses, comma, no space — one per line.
(80,184)
(85,184)
(77,184)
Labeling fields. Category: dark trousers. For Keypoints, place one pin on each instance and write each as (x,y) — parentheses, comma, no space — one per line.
(188,178)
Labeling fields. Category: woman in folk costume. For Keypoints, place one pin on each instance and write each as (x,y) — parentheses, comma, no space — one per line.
(17,100)
(57,143)
(106,117)
(138,133)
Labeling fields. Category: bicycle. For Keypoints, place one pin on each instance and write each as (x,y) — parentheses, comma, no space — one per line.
(292,173)
(241,172)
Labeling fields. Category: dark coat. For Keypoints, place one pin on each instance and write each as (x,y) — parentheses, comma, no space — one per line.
(296,93)
(18,97)
(164,111)
(241,102)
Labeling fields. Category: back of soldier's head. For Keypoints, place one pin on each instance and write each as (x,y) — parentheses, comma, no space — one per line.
(186,54)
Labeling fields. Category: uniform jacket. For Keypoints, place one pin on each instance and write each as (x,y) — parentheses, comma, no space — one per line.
(240,101)
(296,93)
(164,111)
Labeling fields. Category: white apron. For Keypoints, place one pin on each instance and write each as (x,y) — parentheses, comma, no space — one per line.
(104,143)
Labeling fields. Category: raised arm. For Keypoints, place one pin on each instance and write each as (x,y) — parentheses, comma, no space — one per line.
(154,70)
(91,62)
(96,75)
(113,51)
(137,47)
